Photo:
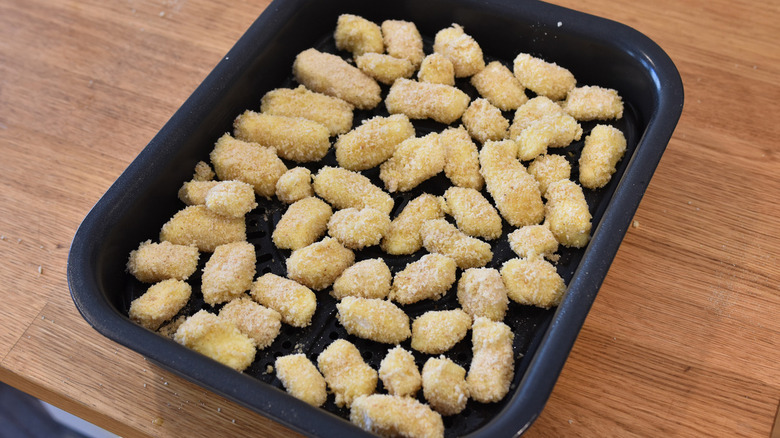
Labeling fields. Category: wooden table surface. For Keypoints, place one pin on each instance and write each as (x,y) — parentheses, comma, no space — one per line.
(682,339)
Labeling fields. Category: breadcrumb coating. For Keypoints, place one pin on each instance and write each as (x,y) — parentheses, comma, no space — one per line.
(347,375)
(461,49)
(414,161)
(440,236)
(294,138)
(331,75)
(533,282)
(294,185)
(403,236)
(203,172)
(153,262)
(497,84)
(437,331)
(567,214)
(231,198)
(357,229)
(228,272)
(301,379)
(533,241)
(375,319)
(399,373)
(425,100)
(535,109)
(251,163)
(373,142)
(484,121)
(332,112)
(481,292)
(194,192)
(473,213)
(216,338)
(260,323)
(384,68)
(318,265)
(358,35)
(493,365)
(295,302)
(604,147)
(161,302)
(428,278)
(437,69)
(444,385)
(461,164)
(551,131)
(548,168)
(543,78)
(302,224)
(403,40)
(199,226)
(169,329)
(593,103)
(344,189)
(393,416)
(365,279)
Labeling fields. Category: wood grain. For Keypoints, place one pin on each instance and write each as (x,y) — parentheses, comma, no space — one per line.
(681,341)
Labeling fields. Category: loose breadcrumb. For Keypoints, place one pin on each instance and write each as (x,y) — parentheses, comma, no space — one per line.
(484,121)
(203,172)
(533,241)
(403,236)
(218,339)
(375,319)
(593,103)
(343,189)
(567,214)
(194,192)
(358,35)
(497,84)
(231,198)
(444,385)
(414,161)
(199,226)
(543,78)
(440,236)
(399,373)
(357,229)
(153,262)
(403,40)
(373,142)
(260,323)
(294,138)
(394,416)
(551,131)
(473,213)
(604,147)
(169,329)
(302,224)
(332,112)
(384,68)
(365,279)
(251,163)
(461,49)
(294,185)
(295,302)
(161,302)
(425,100)
(492,366)
(347,375)
(301,379)
(228,272)
(437,331)
(331,75)
(481,292)
(533,282)
(437,69)
(318,265)
(548,168)
(428,278)
(461,163)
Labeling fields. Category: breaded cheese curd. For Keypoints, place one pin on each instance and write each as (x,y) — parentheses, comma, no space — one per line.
(414,161)
(216,338)
(194,192)
(481,292)
(493,364)
(357,229)
(403,236)
(294,185)
(373,142)
(231,198)
(428,278)
(533,282)
(365,279)
(399,373)
(533,241)
(357,35)
(403,40)
(153,262)
(425,100)
(552,131)
(203,172)
(473,213)
(461,163)
(199,226)
(161,302)
(343,188)
(548,168)
(440,236)
(260,323)
(374,319)
(295,302)
(303,223)
(461,49)
(301,379)
(437,331)
(318,265)
(604,147)
(294,138)
(543,78)
(484,121)
(593,103)
(228,272)
(384,68)
(567,214)
(332,112)
(331,75)
(347,375)
(514,191)
(437,69)
(251,163)
(538,108)
(444,385)
(394,416)
(500,87)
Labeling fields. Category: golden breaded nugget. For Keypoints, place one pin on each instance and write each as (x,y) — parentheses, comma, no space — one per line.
(343,189)
(440,236)
(593,103)
(533,241)
(319,264)
(437,331)
(347,375)
(365,279)
(153,262)
(199,226)
(414,161)
(604,147)
(430,277)
(301,379)
(302,224)
(374,319)
(357,229)
(228,272)
(567,214)
(260,323)
(216,338)
(169,330)
(548,168)
(358,35)
(461,49)
(425,100)
(372,142)
(444,385)
(493,364)
(473,213)
(203,172)
(552,131)
(481,292)
(403,236)
(533,281)
(403,40)
(497,84)
(543,78)
(295,302)
(161,302)
(437,69)
(331,75)
(536,109)
(194,192)
(294,138)
(384,68)
(399,373)
(484,121)
(248,162)
(461,164)
(393,416)
(332,112)
(514,190)
(231,198)
(294,185)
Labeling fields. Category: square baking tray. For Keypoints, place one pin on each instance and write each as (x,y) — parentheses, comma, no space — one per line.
(598,52)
